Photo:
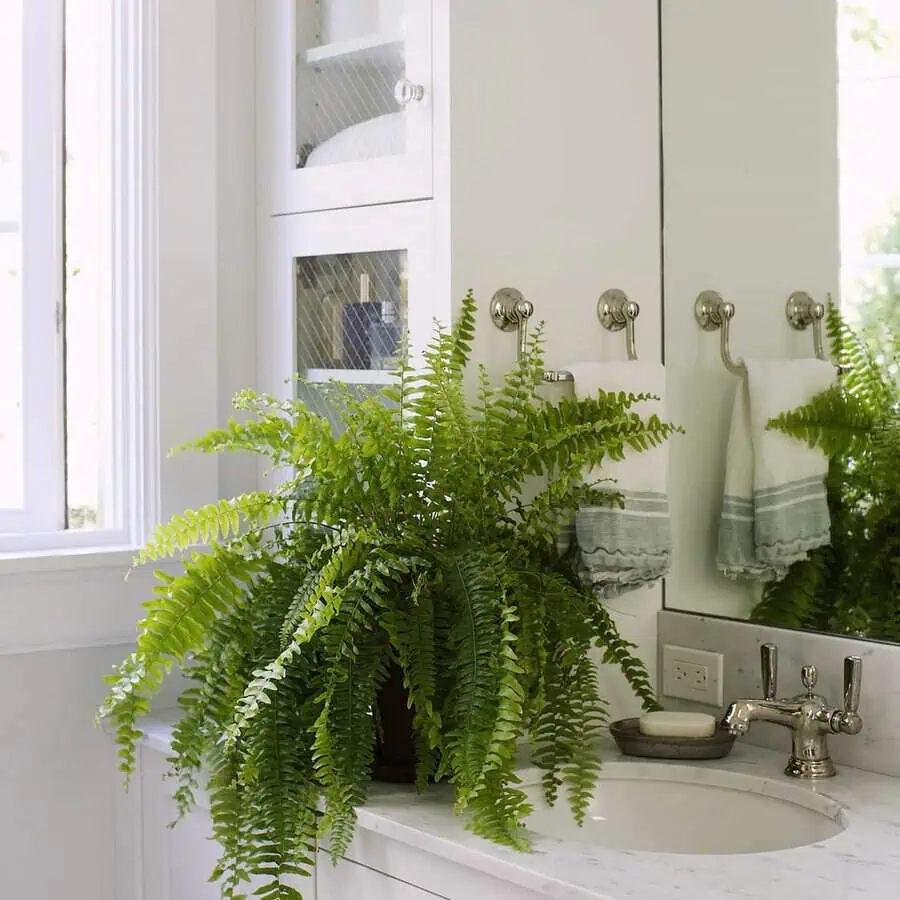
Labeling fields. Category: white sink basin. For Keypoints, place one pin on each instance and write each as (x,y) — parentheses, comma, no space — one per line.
(684,809)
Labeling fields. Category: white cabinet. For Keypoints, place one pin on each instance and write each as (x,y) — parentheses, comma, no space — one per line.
(344,102)
(349,879)
(543,153)
(175,863)
(343,290)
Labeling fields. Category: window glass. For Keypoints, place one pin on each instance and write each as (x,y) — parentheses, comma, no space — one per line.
(869,41)
(88,230)
(11,435)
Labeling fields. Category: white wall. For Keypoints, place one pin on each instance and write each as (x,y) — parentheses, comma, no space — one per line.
(551,186)
(62,630)
(236,221)
(750,210)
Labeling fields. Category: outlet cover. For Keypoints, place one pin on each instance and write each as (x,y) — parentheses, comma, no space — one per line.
(690,674)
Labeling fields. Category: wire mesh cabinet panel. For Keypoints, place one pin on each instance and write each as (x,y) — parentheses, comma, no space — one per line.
(344,103)
(350,290)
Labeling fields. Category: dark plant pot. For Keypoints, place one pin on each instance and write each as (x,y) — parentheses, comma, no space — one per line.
(395,752)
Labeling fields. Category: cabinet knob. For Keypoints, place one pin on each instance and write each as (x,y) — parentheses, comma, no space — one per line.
(405,92)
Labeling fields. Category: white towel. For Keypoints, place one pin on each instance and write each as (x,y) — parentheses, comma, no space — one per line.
(620,550)
(775,508)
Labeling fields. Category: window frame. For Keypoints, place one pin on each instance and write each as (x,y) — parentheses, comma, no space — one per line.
(134,450)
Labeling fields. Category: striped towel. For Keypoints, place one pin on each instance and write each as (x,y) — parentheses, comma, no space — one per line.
(775,508)
(620,550)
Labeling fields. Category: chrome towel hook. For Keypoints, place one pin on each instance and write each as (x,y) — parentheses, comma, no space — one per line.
(510,310)
(714,314)
(616,312)
(801,312)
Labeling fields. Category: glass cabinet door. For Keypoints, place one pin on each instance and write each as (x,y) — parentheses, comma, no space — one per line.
(351,315)
(345,102)
(350,291)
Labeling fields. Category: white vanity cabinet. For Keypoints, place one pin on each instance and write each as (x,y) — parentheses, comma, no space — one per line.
(177,862)
(350,880)
(344,102)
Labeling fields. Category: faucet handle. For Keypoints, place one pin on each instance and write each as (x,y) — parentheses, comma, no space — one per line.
(768,654)
(852,683)
(809,675)
(849,721)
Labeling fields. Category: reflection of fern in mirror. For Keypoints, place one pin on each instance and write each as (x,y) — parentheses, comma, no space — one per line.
(853,585)
(403,541)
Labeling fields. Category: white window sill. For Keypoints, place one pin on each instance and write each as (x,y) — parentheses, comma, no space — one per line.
(74,559)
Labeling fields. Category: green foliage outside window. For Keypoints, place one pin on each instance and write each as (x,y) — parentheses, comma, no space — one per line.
(402,541)
(878,313)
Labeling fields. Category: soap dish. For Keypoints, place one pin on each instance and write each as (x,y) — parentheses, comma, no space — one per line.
(627,734)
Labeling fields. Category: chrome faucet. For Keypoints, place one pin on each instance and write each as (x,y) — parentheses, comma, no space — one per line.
(809,716)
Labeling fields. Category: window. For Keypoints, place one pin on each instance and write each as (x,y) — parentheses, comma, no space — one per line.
(869,32)
(73,305)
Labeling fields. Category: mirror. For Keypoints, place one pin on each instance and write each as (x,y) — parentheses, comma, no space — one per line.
(781,162)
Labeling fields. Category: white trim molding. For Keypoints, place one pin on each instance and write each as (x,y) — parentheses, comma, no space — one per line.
(133,460)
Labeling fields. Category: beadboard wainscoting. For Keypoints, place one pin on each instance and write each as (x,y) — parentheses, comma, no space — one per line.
(875,748)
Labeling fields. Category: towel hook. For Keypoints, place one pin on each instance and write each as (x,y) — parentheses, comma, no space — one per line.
(510,310)
(714,314)
(801,312)
(616,312)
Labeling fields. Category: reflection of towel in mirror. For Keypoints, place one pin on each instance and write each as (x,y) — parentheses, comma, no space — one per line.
(775,509)
(620,550)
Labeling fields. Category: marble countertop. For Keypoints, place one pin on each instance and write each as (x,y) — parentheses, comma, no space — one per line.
(861,861)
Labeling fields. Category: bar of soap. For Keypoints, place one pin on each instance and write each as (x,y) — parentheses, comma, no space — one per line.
(677,724)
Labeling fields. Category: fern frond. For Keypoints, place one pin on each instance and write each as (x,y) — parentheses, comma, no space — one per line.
(500,819)
(185,608)
(283,797)
(794,602)
(462,335)
(862,376)
(344,745)
(619,652)
(580,771)
(339,583)
(230,825)
(477,593)
(412,635)
(211,523)
(836,422)
(400,539)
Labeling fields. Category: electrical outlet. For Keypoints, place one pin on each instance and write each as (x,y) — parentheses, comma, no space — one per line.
(692,674)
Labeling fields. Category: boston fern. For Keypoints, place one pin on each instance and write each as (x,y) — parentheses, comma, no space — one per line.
(853,585)
(402,542)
